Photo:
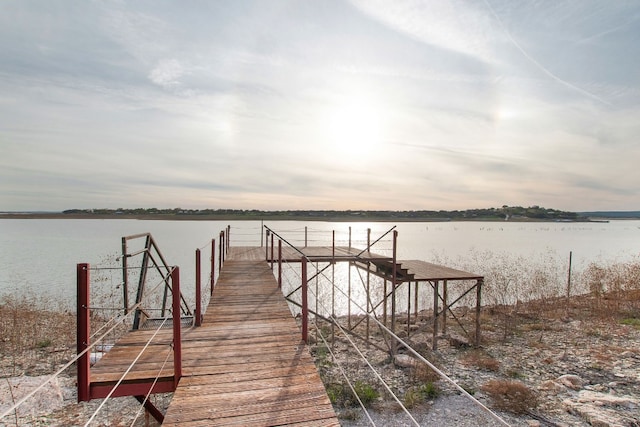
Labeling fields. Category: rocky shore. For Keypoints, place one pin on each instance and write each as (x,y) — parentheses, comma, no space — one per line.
(580,369)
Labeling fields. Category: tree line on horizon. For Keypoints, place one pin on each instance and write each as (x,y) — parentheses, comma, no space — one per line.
(503,213)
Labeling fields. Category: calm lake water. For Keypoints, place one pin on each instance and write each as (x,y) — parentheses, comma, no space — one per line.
(41,255)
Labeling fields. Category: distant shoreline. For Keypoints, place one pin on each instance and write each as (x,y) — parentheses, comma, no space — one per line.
(239,217)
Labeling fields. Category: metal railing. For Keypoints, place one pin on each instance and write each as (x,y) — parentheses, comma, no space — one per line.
(150,254)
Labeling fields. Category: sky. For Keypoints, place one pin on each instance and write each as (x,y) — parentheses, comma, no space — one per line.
(295,105)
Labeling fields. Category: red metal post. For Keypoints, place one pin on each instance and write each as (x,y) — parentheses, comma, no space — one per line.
(177,333)
(393,291)
(279,263)
(83,332)
(368,281)
(434,341)
(220,259)
(349,285)
(213,264)
(305,304)
(272,259)
(333,246)
(198,313)
(224,246)
(445,307)
(478,305)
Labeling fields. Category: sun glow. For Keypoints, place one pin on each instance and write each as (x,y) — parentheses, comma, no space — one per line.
(353,130)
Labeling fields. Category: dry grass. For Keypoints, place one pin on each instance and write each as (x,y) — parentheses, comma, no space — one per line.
(511,396)
(28,332)
(423,374)
(522,291)
(37,334)
(481,360)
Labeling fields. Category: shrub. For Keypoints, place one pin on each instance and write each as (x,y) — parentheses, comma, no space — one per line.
(631,322)
(341,395)
(422,373)
(336,393)
(412,398)
(366,393)
(511,396)
(430,390)
(417,395)
(44,343)
(481,360)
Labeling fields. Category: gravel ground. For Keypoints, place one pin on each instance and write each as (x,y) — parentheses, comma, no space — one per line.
(451,410)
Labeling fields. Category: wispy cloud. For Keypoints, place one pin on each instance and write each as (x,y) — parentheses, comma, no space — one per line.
(538,64)
(454,25)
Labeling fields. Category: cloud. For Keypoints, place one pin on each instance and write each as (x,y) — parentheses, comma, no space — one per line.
(167,73)
(455,25)
(544,69)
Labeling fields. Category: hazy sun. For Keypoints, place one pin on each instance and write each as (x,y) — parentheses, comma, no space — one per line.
(353,129)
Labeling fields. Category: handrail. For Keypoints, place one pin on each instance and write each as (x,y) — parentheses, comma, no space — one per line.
(393,341)
(150,248)
(304,259)
(83,331)
(223,243)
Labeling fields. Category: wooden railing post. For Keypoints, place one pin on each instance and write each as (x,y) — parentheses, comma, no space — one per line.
(305,304)
(177,333)
(198,313)
(266,245)
(83,332)
(213,264)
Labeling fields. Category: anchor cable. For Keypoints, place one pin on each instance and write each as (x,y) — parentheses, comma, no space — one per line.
(122,377)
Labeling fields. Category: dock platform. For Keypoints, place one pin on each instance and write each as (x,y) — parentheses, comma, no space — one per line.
(245,365)
(248,365)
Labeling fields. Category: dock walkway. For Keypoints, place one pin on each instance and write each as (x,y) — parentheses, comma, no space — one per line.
(246,365)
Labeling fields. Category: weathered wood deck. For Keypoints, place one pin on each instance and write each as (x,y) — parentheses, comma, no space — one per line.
(245,366)
(248,365)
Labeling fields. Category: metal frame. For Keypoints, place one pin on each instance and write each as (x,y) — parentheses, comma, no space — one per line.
(390,270)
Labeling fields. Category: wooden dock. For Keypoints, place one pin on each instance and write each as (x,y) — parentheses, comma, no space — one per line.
(248,365)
